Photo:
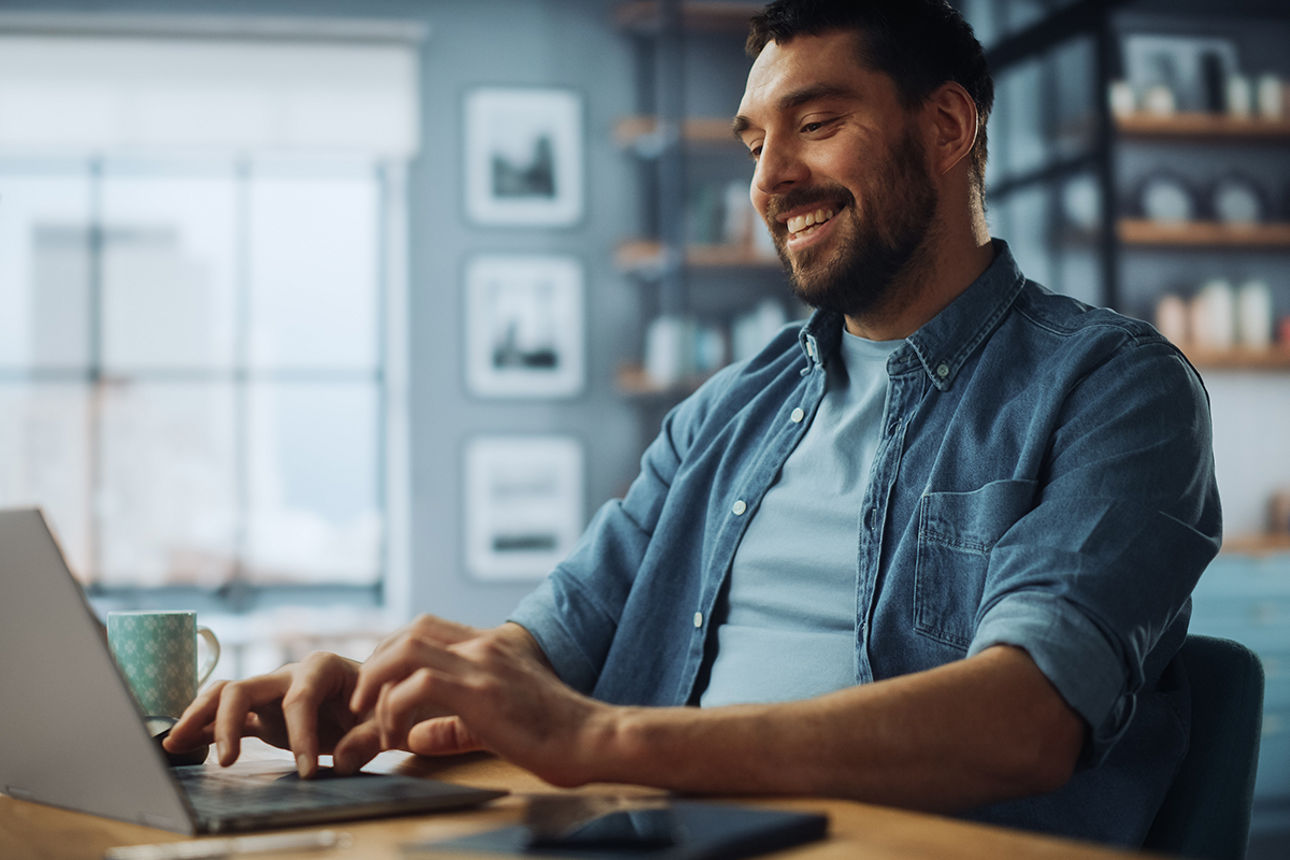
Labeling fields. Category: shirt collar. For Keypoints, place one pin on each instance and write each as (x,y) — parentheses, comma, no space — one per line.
(946,341)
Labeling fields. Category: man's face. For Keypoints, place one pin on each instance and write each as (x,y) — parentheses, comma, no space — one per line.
(840,178)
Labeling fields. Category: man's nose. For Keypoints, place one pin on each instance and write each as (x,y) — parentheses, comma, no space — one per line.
(778,169)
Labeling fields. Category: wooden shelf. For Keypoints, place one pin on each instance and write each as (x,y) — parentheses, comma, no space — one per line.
(645,255)
(633,381)
(642,16)
(1210,234)
(641,132)
(1275,358)
(1257,544)
(1194,126)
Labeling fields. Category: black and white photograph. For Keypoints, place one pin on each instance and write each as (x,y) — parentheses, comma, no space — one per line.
(524,158)
(524,326)
(524,504)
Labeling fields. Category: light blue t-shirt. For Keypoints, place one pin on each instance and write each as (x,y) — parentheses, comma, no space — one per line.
(789,628)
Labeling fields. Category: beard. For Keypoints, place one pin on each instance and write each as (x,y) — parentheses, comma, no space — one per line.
(901,201)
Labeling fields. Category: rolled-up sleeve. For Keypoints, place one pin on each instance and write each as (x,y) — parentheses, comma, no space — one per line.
(1093,575)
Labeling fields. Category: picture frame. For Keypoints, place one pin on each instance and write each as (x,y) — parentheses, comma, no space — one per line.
(1195,69)
(524,505)
(525,326)
(524,156)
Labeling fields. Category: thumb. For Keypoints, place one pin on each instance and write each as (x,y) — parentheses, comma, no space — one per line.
(359,746)
(442,736)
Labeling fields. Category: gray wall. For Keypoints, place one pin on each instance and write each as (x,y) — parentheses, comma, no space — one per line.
(568,43)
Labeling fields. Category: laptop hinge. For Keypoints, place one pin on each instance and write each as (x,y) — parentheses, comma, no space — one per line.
(20,793)
(163,822)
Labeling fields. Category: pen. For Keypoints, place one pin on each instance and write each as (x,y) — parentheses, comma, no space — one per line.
(207,849)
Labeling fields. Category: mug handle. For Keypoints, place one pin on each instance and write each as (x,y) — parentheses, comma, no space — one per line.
(212,649)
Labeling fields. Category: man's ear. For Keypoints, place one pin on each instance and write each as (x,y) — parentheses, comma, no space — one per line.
(951,123)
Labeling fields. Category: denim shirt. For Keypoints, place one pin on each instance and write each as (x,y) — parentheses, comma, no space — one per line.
(1044,479)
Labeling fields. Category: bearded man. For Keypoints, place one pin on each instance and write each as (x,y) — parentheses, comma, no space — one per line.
(934,548)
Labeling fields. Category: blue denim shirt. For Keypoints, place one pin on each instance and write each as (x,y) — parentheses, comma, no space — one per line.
(1044,479)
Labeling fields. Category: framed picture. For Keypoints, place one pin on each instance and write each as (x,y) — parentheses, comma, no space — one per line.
(524,326)
(523,505)
(1195,69)
(524,156)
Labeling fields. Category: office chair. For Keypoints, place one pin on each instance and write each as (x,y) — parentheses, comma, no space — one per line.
(1206,813)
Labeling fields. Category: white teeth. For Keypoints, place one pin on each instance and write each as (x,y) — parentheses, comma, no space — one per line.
(798,223)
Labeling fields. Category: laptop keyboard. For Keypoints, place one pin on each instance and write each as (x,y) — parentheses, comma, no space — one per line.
(221,794)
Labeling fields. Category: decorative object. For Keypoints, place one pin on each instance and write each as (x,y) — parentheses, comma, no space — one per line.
(524,156)
(1193,69)
(1082,203)
(524,505)
(1271,97)
(1240,97)
(1254,314)
(1237,199)
(1213,312)
(1159,100)
(1279,512)
(1123,101)
(1165,197)
(1171,318)
(525,326)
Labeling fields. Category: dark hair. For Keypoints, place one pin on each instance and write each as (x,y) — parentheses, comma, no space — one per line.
(920,44)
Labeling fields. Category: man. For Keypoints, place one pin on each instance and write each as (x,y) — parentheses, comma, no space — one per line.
(935,549)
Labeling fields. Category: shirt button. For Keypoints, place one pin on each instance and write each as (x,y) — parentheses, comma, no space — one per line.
(942,370)
(698,619)
(797,415)
(739,508)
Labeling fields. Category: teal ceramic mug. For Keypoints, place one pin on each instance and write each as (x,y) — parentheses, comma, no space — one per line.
(157,653)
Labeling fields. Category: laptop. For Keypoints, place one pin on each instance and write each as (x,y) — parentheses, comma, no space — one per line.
(72,735)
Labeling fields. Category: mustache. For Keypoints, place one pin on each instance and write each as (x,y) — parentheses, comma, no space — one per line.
(799,197)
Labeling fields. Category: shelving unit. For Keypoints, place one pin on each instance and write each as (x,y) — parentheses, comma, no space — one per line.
(634,382)
(1258,545)
(1273,359)
(680,260)
(1191,128)
(1205,234)
(644,257)
(1201,126)
(1246,593)
(641,134)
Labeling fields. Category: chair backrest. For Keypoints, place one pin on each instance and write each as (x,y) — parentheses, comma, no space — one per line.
(1206,813)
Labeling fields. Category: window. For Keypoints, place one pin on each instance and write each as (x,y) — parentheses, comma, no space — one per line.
(200,357)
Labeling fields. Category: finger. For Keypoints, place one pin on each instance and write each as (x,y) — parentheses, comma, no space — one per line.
(430,627)
(314,682)
(197,739)
(395,664)
(408,703)
(236,701)
(442,736)
(359,746)
(196,720)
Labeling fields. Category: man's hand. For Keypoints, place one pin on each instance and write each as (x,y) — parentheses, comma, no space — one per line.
(303,707)
(442,687)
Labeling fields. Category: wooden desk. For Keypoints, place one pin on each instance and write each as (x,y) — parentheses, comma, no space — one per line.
(30,831)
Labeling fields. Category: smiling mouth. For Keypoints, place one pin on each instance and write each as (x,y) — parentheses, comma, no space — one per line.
(801,226)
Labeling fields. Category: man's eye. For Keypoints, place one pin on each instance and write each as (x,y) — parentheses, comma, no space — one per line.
(754,153)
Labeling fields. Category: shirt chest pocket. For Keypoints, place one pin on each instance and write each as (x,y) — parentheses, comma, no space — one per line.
(956,532)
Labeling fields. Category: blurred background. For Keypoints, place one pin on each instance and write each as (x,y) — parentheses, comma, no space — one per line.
(316,315)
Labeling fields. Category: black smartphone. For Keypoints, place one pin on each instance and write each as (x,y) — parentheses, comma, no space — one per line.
(624,828)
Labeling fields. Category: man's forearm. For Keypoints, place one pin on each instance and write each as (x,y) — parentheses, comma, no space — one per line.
(952,738)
